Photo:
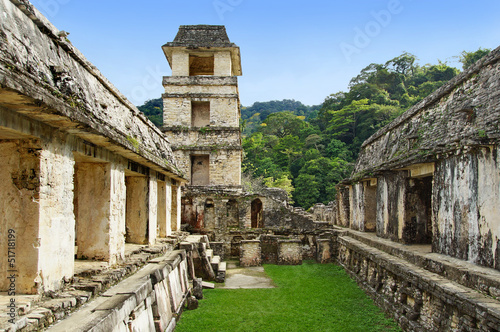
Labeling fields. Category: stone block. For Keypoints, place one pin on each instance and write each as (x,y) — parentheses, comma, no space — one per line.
(289,252)
(250,253)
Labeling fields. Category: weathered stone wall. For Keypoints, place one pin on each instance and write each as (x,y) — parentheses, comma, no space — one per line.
(224,165)
(343,217)
(363,205)
(208,138)
(221,92)
(250,253)
(328,213)
(21,160)
(466,214)
(419,300)
(150,300)
(289,252)
(391,192)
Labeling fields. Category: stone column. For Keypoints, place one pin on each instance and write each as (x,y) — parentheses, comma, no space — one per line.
(137,213)
(152,208)
(176,208)
(93,210)
(57,221)
(19,214)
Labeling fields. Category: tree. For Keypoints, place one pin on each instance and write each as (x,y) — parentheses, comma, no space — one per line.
(283,124)
(284,182)
(469,58)
(306,190)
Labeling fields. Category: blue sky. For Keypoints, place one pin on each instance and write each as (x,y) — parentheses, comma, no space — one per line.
(302,50)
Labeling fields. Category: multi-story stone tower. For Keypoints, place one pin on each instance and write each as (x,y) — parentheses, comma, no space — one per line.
(201,106)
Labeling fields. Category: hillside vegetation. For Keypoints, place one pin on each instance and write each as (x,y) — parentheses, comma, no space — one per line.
(307,150)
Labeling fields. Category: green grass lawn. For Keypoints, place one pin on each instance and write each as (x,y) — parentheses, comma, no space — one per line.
(309,297)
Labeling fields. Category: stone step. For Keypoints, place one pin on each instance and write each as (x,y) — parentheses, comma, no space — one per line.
(221,273)
(208,285)
(215,263)
(210,254)
(482,279)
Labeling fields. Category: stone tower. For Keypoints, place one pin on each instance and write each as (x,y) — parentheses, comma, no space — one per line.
(201,106)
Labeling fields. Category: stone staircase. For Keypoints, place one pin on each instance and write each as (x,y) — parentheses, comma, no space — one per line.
(206,265)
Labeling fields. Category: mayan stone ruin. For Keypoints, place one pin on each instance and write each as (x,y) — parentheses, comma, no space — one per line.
(116,224)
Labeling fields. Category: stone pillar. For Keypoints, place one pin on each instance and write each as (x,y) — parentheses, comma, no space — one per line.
(343,212)
(176,208)
(363,205)
(164,208)
(118,212)
(466,207)
(137,213)
(152,208)
(93,210)
(19,214)
(391,194)
(57,221)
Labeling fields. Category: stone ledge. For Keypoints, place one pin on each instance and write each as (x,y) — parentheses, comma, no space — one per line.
(200,80)
(200,95)
(378,272)
(482,279)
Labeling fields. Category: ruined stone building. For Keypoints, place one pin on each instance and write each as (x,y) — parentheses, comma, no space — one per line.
(201,119)
(90,193)
(430,180)
(85,178)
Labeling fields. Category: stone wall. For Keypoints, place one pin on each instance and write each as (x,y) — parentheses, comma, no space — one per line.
(250,253)
(418,299)
(289,252)
(224,107)
(210,138)
(327,213)
(465,218)
(150,300)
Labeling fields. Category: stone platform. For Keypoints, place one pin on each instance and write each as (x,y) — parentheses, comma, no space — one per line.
(423,291)
(92,278)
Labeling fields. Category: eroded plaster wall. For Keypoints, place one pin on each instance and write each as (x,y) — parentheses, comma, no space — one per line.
(466,206)
(56,219)
(20,211)
(391,191)
(93,210)
(164,208)
(153,208)
(343,206)
(118,210)
(137,214)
